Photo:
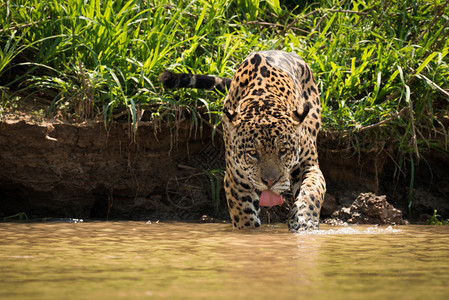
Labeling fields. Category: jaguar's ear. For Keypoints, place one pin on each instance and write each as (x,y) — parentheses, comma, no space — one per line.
(299,116)
(230,117)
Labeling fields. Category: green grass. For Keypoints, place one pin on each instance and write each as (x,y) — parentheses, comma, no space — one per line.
(382,67)
(436,219)
(19,216)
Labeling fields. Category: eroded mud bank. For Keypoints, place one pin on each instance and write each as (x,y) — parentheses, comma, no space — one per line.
(89,171)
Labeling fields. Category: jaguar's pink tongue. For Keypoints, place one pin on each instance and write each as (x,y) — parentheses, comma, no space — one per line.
(268,198)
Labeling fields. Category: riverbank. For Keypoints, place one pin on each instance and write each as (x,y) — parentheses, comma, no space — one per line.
(61,169)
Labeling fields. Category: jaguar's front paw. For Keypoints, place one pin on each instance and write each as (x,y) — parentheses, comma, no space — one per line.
(299,221)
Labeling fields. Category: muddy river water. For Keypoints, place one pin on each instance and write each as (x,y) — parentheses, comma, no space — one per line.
(135,260)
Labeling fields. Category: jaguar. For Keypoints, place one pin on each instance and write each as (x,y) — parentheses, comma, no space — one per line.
(271,119)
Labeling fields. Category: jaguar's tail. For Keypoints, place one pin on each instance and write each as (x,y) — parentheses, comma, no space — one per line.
(185,80)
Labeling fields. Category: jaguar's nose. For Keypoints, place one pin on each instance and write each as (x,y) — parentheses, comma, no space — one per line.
(269,181)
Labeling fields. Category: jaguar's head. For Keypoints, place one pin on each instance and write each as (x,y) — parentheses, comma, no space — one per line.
(265,145)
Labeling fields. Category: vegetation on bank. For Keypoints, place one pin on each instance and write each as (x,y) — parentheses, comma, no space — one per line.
(436,219)
(382,67)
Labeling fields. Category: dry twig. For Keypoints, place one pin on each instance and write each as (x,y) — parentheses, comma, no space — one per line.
(393,117)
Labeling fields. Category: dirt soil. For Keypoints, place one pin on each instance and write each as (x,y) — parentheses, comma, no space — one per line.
(89,171)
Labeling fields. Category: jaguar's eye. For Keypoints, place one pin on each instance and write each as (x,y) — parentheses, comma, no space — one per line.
(252,153)
(283,150)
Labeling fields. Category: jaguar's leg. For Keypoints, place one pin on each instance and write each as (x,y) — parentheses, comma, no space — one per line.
(310,188)
(243,203)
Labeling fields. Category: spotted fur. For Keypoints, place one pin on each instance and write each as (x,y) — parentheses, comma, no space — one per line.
(271,118)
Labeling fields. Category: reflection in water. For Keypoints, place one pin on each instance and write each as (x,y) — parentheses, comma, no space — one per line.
(177,260)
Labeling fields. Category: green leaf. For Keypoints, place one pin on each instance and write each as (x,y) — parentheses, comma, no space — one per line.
(426,62)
